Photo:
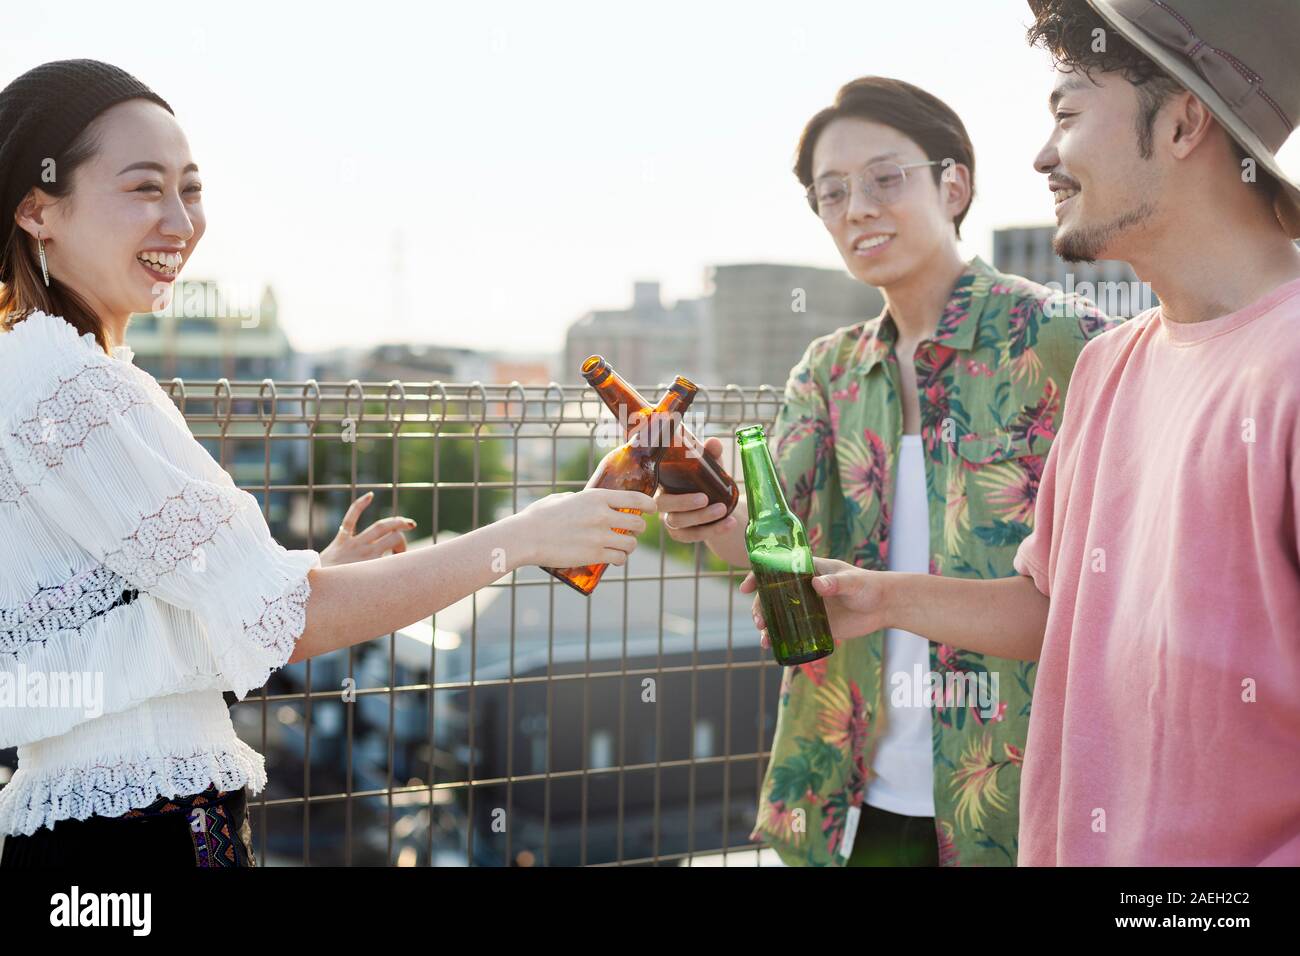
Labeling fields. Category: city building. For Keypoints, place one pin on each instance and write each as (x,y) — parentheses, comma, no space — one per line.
(208,332)
(649,343)
(765,315)
(752,325)
(421,362)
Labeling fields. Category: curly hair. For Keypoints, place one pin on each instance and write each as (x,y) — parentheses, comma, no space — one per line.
(1069,31)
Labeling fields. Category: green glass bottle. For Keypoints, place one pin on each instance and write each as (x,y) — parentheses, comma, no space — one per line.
(794,613)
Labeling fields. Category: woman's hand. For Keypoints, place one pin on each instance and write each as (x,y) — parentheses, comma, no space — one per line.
(574,529)
(383,536)
(854,599)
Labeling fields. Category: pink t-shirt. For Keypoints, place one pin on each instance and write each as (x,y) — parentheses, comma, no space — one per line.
(1165,726)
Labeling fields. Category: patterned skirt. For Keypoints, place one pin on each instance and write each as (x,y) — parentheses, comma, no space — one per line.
(208,829)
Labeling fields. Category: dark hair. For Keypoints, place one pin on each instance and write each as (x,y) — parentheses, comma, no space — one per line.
(1067,29)
(26,291)
(920,116)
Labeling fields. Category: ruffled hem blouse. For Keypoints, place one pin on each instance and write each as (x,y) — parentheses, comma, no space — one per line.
(137,583)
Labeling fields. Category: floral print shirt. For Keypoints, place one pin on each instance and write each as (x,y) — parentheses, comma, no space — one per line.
(992,384)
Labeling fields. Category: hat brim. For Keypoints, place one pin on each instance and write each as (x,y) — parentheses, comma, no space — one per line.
(1287,205)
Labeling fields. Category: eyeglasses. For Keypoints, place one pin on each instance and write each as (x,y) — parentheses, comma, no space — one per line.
(883,182)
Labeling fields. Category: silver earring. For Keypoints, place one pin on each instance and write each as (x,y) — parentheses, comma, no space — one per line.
(45,269)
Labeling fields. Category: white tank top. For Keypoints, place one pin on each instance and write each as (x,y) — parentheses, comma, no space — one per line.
(903,764)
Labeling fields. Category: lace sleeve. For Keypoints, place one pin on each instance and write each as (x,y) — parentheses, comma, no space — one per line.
(109,462)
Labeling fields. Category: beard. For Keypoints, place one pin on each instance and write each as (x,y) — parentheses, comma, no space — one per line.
(1086,243)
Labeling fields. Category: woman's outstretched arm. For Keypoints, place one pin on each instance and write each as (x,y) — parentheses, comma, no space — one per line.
(353,603)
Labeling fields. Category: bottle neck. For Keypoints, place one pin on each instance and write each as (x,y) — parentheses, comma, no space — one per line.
(661,428)
(762,489)
(620,397)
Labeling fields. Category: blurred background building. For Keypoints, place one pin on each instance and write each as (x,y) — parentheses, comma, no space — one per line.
(210,332)
(765,315)
(751,326)
(647,342)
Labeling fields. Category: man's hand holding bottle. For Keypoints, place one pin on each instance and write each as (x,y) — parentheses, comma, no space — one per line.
(690,518)
(854,598)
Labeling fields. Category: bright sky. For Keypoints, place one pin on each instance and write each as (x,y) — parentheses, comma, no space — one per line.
(534,159)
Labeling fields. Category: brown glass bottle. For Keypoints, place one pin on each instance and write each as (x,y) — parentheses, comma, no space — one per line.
(685,467)
(631,466)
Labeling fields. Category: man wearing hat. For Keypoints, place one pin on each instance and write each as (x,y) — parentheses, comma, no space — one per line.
(1160,589)
(1166,724)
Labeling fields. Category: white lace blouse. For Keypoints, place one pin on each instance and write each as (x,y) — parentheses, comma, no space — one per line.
(129,562)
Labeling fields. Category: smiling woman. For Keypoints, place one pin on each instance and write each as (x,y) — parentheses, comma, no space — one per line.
(136,567)
(154,207)
(98,140)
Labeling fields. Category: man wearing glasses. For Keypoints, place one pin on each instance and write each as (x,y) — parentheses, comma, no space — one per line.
(913,441)
(1160,589)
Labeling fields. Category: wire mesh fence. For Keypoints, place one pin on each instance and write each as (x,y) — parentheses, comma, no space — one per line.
(526,724)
